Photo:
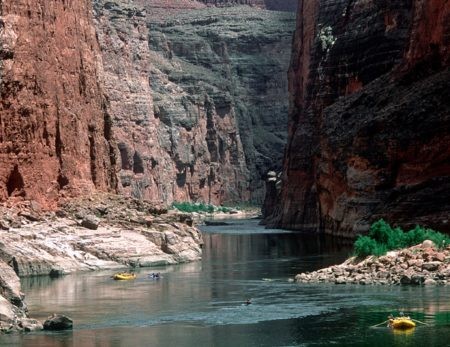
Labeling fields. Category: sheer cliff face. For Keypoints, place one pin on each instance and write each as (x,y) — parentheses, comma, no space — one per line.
(171,146)
(54,132)
(197,97)
(194,113)
(369,116)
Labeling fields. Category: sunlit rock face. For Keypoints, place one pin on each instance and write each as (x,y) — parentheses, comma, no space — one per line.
(55,133)
(369,117)
(198,96)
(98,102)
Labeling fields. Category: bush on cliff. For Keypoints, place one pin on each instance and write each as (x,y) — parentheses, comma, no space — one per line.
(382,238)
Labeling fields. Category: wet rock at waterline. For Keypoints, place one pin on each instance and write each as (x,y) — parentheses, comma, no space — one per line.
(58,322)
(417,265)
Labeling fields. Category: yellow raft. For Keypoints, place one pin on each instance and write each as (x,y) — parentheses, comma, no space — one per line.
(402,323)
(122,276)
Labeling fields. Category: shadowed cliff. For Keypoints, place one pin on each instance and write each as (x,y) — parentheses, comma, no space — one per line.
(369,117)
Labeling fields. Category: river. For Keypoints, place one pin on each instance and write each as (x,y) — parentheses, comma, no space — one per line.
(203,303)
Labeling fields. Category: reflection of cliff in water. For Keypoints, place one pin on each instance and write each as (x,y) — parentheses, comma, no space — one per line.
(255,246)
(277,254)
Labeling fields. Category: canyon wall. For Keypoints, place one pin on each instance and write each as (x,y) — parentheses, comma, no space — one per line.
(198,97)
(55,132)
(130,100)
(369,117)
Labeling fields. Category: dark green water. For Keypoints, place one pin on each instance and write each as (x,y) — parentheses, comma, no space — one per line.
(202,304)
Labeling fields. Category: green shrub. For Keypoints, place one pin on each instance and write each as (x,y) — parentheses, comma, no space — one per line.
(380,231)
(189,207)
(364,246)
(382,238)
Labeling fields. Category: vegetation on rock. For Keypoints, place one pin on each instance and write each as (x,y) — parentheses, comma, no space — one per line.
(382,238)
(189,207)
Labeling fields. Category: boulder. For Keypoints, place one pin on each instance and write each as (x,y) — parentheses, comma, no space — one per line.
(405,279)
(427,244)
(58,322)
(90,222)
(429,281)
(431,266)
(417,279)
(340,280)
(439,257)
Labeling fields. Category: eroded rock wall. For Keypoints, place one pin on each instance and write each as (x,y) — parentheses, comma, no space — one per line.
(55,132)
(236,58)
(198,97)
(369,117)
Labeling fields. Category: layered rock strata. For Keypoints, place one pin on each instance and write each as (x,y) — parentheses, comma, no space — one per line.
(236,59)
(64,103)
(418,265)
(55,132)
(369,117)
(122,232)
(197,108)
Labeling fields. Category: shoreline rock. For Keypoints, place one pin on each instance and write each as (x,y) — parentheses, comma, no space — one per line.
(58,322)
(129,233)
(418,265)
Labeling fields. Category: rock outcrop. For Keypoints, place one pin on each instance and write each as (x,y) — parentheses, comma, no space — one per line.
(418,265)
(369,117)
(197,95)
(55,131)
(129,233)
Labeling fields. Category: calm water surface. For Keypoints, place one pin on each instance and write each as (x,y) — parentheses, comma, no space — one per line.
(202,304)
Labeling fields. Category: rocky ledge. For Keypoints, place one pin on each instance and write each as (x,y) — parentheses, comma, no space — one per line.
(100,232)
(418,265)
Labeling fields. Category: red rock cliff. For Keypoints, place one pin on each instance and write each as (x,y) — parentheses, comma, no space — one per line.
(54,131)
(369,117)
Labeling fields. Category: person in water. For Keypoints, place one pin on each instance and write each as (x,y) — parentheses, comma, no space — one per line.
(155,275)
(390,321)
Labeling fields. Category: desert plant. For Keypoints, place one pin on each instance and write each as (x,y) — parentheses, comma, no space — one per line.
(382,238)
(190,207)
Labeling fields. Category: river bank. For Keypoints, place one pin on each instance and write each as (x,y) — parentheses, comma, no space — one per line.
(100,232)
(422,264)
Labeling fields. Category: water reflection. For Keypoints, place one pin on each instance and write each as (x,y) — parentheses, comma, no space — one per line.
(203,303)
